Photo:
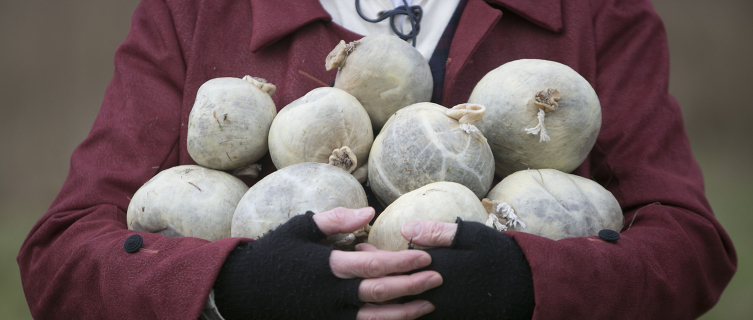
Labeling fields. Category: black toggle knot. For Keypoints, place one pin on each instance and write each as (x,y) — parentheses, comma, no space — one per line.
(609,235)
(133,243)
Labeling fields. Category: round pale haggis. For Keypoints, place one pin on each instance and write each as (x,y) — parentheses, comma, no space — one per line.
(229,123)
(540,115)
(291,191)
(310,128)
(383,72)
(557,205)
(439,201)
(186,201)
(422,144)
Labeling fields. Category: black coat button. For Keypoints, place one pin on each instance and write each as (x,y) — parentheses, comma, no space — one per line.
(609,235)
(133,243)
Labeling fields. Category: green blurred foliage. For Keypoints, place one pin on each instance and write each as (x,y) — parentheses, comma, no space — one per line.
(710,49)
(56,61)
(730,193)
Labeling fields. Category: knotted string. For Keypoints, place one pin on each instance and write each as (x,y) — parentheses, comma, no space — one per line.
(414,14)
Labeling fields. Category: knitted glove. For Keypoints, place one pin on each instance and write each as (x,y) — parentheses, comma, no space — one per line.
(486,276)
(285,275)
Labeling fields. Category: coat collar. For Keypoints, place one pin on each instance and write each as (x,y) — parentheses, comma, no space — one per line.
(273,20)
(545,13)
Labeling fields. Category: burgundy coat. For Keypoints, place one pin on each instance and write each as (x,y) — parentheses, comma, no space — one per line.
(672,262)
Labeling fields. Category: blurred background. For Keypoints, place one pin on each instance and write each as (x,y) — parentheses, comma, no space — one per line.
(56,59)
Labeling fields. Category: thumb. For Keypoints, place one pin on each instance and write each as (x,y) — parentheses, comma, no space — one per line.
(429,233)
(343,220)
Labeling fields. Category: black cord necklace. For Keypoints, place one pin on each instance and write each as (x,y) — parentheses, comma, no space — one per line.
(414,14)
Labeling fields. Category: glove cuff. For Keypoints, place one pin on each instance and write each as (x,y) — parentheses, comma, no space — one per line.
(285,274)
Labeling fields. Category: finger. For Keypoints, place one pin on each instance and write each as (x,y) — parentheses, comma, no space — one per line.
(372,264)
(429,233)
(407,311)
(393,287)
(343,220)
(365,247)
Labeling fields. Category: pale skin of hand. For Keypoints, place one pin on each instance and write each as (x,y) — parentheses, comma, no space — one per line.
(429,233)
(382,271)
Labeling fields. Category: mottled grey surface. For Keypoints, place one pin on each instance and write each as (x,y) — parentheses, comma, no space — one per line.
(558,205)
(294,190)
(421,145)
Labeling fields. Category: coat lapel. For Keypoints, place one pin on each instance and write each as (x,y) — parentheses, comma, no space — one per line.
(273,20)
(544,13)
(477,20)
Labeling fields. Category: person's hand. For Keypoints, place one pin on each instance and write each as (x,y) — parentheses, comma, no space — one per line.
(287,274)
(486,275)
(374,265)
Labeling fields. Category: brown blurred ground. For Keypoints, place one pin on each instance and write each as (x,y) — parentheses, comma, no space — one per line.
(56,60)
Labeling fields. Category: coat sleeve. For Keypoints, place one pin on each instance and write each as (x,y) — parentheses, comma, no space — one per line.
(73,264)
(673,259)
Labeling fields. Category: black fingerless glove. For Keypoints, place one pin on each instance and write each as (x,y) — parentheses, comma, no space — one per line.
(285,275)
(486,276)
